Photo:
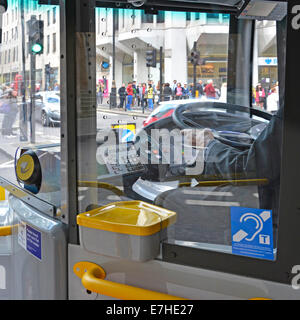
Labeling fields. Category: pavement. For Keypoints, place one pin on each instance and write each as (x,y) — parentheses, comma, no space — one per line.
(8,147)
(138,112)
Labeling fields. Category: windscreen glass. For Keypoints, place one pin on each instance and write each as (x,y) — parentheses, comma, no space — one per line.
(176,127)
(29,85)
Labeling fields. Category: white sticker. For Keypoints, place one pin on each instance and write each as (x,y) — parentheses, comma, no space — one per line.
(22,234)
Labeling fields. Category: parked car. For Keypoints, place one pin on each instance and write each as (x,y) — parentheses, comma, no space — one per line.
(47,108)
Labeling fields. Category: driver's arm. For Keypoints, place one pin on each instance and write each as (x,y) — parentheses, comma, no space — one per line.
(228,162)
(218,159)
(262,160)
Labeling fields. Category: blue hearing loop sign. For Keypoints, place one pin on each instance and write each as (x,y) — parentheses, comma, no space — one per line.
(252,232)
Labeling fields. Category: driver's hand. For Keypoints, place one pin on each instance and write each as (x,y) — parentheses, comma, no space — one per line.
(197,138)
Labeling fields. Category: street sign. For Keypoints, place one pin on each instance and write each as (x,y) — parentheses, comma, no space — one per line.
(126,131)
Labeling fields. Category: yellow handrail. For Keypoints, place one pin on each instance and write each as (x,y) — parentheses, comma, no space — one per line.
(8,230)
(92,278)
(5,231)
(2,194)
(102,185)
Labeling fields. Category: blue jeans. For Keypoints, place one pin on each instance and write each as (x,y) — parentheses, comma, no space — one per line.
(150,104)
(129,102)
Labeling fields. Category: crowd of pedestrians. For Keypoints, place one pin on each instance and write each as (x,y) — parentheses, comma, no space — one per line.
(147,95)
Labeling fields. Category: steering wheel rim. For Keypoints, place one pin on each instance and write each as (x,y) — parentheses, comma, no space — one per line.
(178,118)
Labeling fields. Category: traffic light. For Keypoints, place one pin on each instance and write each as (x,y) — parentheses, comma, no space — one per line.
(151,58)
(195,57)
(36,35)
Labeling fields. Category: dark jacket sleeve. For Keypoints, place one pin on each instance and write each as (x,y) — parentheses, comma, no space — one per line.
(262,160)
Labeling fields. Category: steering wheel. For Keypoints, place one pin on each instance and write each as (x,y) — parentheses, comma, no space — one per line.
(181,118)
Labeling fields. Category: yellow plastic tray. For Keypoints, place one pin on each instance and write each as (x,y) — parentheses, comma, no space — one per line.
(129,217)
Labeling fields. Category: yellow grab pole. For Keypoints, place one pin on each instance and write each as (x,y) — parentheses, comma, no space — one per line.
(2,194)
(93,279)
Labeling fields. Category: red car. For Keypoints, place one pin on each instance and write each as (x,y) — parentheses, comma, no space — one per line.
(165,109)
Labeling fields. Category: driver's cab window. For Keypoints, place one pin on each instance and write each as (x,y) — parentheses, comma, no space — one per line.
(168,136)
(265,69)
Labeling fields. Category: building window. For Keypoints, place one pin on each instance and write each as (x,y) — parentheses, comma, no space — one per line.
(54,15)
(48,44)
(8,58)
(212,17)
(48,17)
(225,18)
(161,17)
(54,42)
(197,16)
(5,57)
(188,16)
(147,18)
(16,32)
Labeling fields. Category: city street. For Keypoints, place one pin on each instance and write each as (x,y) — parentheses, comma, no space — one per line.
(51,135)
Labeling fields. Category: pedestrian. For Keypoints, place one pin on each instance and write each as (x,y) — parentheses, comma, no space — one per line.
(99,94)
(10,109)
(174,86)
(113,95)
(191,91)
(134,93)
(185,92)
(273,100)
(143,95)
(138,94)
(223,95)
(178,91)
(129,91)
(260,96)
(199,89)
(167,92)
(209,90)
(150,96)
(122,95)
(157,91)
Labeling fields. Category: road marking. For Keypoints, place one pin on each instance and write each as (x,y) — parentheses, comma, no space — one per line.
(212,203)
(208,193)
